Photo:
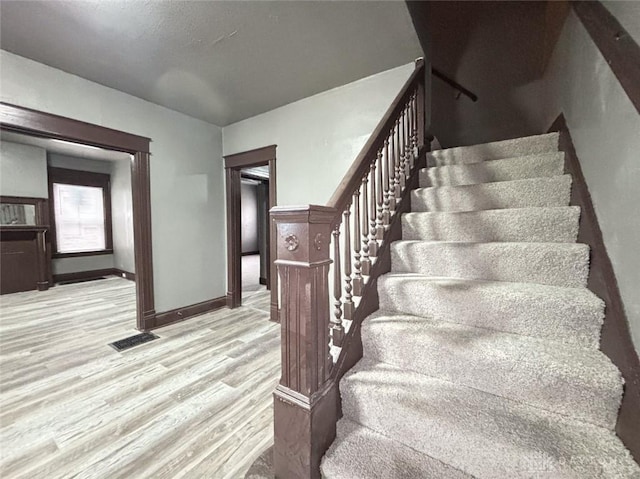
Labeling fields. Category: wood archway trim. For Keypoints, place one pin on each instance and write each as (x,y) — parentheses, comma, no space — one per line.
(233,164)
(32,122)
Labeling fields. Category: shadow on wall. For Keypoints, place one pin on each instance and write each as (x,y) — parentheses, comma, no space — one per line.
(498,50)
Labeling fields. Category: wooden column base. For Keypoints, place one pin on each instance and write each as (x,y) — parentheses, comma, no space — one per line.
(303,431)
(275,313)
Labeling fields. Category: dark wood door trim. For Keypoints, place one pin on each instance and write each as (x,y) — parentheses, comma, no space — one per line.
(25,120)
(32,122)
(233,164)
(616,340)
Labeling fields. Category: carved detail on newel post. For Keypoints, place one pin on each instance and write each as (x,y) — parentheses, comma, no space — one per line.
(305,401)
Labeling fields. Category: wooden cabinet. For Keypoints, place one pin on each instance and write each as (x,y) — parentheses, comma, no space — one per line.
(23,259)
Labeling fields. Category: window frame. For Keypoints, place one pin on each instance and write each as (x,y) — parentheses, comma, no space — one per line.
(81,178)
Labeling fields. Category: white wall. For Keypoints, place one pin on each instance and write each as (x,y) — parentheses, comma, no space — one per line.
(605,128)
(122,216)
(58,160)
(81,263)
(318,137)
(23,170)
(187,185)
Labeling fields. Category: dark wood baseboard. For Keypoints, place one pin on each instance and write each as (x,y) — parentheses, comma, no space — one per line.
(93,274)
(186,312)
(124,274)
(616,340)
(83,275)
(249,253)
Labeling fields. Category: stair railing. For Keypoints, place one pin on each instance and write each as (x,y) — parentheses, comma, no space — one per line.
(454,84)
(336,253)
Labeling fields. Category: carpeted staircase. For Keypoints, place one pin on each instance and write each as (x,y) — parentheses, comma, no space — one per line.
(483,359)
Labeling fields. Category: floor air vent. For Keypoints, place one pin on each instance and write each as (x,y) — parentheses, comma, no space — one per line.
(132,341)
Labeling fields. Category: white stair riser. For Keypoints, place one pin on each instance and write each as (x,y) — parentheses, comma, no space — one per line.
(496,150)
(480,433)
(585,386)
(558,264)
(562,314)
(359,452)
(557,225)
(538,192)
(536,166)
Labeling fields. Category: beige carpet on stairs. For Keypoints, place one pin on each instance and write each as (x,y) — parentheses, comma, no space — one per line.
(483,359)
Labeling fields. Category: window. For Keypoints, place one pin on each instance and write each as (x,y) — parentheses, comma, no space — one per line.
(81,212)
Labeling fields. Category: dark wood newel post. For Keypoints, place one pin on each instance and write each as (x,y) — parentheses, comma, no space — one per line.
(305,401)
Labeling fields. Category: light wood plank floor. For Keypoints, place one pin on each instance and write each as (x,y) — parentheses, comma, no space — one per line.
(196,403)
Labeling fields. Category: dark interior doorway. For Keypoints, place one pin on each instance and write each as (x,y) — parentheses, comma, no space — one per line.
(234,166)
(254,212)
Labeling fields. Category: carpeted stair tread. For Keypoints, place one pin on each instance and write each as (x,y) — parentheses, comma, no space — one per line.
(558,264)
(360,453)
(479,433)
(570,315)
(574,381)
(526,193)
(531,166)
(552,224)
(483,360)
(527,145)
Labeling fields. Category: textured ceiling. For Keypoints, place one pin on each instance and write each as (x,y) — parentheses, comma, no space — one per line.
(214,60)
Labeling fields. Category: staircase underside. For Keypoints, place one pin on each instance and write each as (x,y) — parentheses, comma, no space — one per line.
(483,359)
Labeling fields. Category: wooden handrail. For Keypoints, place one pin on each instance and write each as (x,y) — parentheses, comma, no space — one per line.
(454,84)
(352,177)
(349,240)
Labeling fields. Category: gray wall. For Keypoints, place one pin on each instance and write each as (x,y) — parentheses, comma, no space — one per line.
(319,137)
(187,181)
(628,14)
(23,170)
(74,163)
(122,216)
(249,216)
(605,127)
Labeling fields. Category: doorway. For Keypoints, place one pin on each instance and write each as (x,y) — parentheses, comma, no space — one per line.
(249,164)
(254,214)
(26,121)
